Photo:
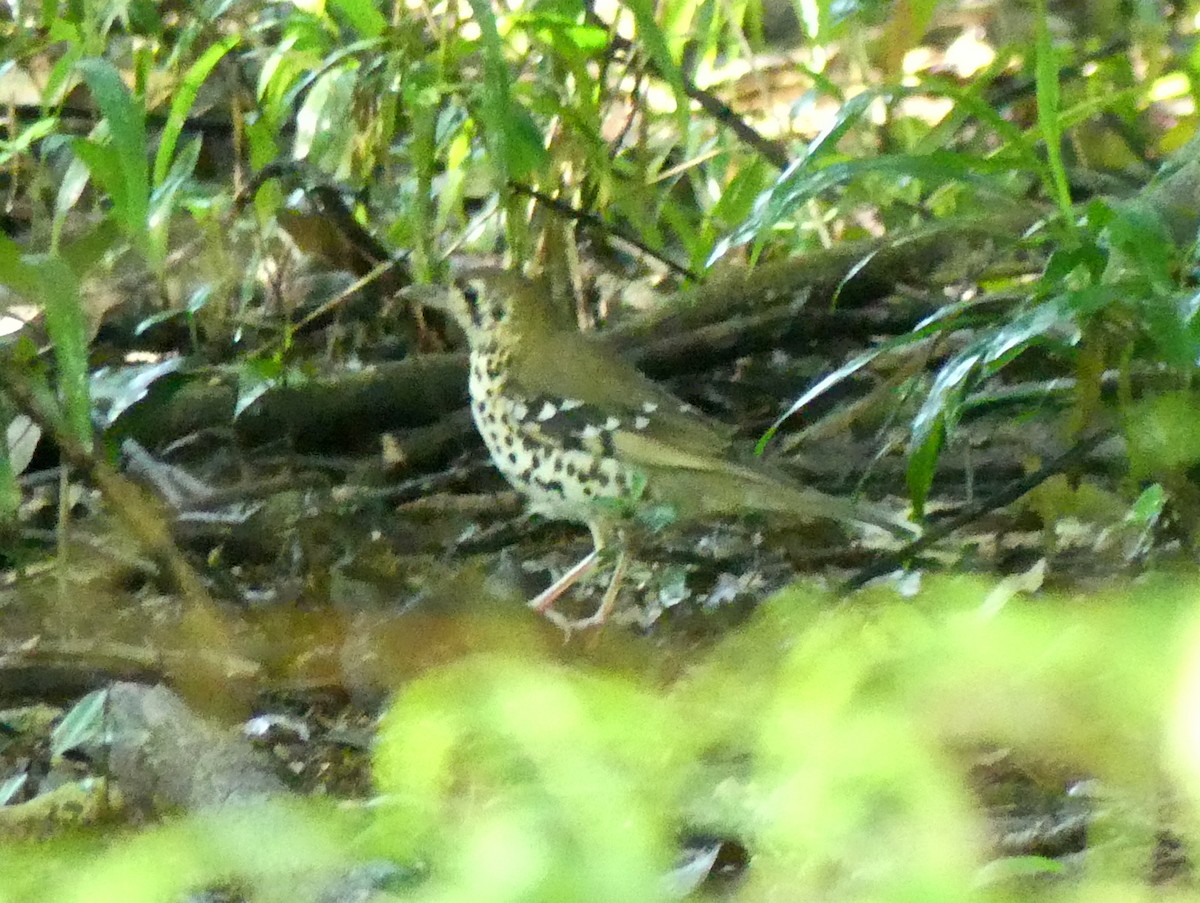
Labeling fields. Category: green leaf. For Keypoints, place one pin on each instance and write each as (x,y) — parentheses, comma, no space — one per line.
(1171,324)
(162,204)
(15,272)
(318,137)
(1163,433)
(1148,506)
(144,18)
(1139,232)
(258,847)
(129,184)
(655,42)
(83,726)
(514,140)
(26,138)
(1048,112)
(959,373)
(343,59)
(10,489)
(51,281)
(922,465)
(564,33)
(820,387)
(943,404)
(362,15)
(116,389)
(970,104)
(849,114)
(23,436)
(73,183)
(67,328)
(86,249)
(11,786)
(183,101)
(737,200)
(552,757)
(61,79)
(801,182)
(951,316)
(1004,871)
(815,17)
(102,162)
(255,378)
(656,518)
(1087,257)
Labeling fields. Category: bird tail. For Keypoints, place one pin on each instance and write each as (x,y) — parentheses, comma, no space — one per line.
(695,483)
(735,489)
(805,503)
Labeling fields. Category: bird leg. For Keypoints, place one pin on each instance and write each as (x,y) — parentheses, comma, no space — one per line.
(546,598)
(609,602)
(542,602)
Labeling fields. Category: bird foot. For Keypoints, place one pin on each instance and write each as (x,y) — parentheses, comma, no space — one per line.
(571,625)
(598,618)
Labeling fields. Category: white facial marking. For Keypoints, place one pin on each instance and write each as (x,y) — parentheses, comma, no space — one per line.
(570,404)
(640,423)
(649,407)
(548,410)
(612,423)
(591,431)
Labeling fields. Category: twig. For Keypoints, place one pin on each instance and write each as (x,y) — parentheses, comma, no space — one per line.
(771,151)
(591,219)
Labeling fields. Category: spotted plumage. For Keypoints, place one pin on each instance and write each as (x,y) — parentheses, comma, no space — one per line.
(553,450)
(586,437)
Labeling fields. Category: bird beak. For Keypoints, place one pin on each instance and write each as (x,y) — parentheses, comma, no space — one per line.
(435,296)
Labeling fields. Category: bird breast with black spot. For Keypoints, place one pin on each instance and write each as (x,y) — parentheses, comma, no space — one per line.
(546,448)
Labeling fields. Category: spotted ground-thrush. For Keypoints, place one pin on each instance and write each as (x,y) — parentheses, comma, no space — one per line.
(586,437)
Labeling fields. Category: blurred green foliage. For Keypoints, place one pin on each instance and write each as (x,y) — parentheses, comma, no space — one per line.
(833,742)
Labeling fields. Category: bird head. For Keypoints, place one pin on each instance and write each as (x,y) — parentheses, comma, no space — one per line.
(490,304)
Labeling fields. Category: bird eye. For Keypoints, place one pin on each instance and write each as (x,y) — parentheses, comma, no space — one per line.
(470,294)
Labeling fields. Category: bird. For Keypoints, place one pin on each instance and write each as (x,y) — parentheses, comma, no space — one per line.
(586,437)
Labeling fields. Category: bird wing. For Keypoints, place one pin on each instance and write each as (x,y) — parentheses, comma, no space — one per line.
(714,485)
(596,386)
